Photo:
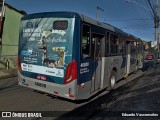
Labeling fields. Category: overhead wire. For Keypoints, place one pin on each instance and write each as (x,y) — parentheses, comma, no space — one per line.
(151,7)
(148,7)
(140,25)
(147,4)
(141,2)
(129,19)
(137,28)
(152,3)
(140,13)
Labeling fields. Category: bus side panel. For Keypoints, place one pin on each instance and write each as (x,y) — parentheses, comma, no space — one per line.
(123,70)
(133,62)
(83,85)
(140,59)
(85,77)
(106,71)
(117,63)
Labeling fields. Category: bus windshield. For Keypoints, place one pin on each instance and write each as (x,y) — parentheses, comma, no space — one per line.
(45,47)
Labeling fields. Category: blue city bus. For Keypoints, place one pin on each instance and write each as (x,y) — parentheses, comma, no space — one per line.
(73,56)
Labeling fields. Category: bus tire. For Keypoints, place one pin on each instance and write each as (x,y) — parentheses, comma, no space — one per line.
(112,80)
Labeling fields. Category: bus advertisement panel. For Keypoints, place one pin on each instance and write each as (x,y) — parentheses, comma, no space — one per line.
(45,48)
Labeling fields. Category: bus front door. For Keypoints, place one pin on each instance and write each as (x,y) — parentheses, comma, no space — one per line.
(96,47)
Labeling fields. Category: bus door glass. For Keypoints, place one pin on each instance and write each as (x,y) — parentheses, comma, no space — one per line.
(96,45)
(85,63)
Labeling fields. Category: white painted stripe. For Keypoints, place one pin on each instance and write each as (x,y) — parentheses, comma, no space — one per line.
(42,70)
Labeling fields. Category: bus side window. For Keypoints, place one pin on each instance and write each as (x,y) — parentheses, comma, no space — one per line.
(107,44)
(114,44)
(96,46)
(85,41)
(121,45)
(133,47)
(139,46)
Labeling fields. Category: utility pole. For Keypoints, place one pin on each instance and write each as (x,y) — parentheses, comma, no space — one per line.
(1,20)
(156,21)
(97,12)
(2,9)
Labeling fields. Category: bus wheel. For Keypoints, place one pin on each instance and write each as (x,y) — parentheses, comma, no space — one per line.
(112,80)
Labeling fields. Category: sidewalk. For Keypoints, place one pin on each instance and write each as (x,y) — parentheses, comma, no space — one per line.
(8,73)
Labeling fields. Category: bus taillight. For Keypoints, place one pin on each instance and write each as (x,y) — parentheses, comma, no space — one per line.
(149,57)
(71,72)
(19,65)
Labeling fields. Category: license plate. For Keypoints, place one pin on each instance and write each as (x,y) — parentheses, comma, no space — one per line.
(40,84)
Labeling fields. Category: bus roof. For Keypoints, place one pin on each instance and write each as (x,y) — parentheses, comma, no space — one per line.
(107,26)
(83,18)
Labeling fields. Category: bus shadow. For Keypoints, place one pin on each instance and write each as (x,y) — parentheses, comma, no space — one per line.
(124,98)
(8,85)
(105,90)
(3,87)
(93,107)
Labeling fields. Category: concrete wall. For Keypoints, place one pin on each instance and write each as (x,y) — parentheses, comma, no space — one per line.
(10,36)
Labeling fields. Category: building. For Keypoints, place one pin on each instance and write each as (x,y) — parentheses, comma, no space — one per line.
(9,34)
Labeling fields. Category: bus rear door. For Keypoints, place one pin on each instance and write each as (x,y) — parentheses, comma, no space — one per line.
(96,48)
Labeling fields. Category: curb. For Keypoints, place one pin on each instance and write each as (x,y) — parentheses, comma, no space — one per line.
(4,74)
(130,78)
(8,76)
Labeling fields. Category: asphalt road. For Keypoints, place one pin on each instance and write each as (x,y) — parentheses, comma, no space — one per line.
(130,95)
(17,98)
(141,95)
